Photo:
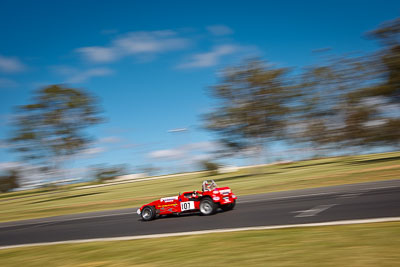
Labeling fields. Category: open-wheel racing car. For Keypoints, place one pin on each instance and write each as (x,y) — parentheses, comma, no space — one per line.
(206,201)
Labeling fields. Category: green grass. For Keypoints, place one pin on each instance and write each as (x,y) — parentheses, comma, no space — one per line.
(361,245)
(297,175)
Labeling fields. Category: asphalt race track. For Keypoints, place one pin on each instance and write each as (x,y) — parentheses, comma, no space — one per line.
(360,201)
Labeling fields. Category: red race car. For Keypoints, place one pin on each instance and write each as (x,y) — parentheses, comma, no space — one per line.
(206,201)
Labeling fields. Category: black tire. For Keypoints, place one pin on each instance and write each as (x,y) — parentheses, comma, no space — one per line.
(148,213)
(229,206)
(207,206)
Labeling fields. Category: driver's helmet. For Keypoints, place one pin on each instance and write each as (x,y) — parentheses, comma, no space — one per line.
(209,186)
(194,194)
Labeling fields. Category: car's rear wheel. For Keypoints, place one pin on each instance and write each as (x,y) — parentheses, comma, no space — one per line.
(207,206)
(148,213)
(229,206)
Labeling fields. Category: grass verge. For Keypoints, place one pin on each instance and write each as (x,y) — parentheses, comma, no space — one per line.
(374,244)
(278,177)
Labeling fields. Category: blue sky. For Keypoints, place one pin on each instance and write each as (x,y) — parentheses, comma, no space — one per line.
(150,62)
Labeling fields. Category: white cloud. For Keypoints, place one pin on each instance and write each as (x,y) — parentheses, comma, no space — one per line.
(93,151)
(74,75)
(110,139)
(188,152)
(11,64)
(202,146)
(167,154)
(99,54)
(88,74)
(150,42)
(219,30)
(197,158)
(7,83)
(211,58)
(9,165)
(135,44)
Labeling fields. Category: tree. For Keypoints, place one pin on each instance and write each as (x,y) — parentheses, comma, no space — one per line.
(389,37)
(148,169)
(209,166)
(252,106)
(102,174)
(343,105)
(384,95)
(50,129)
(373,110)
(325,115)
(9,181)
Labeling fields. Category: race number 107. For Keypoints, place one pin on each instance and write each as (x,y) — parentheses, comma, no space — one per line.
(189,205)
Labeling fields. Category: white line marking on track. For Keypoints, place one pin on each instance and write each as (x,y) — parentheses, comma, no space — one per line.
(383,187)
(314,211)
(357,191)
(41,223)
(289,197)
(350,195)
(126,238)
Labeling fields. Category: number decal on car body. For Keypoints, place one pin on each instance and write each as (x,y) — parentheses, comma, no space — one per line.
(188,205)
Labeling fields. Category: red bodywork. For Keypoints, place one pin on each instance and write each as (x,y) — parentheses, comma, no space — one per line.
(190,201)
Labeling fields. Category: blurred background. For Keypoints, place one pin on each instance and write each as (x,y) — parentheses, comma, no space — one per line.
(98,90)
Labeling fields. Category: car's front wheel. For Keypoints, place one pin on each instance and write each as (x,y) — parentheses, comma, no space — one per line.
(148,213)
(229,206)
(207,206)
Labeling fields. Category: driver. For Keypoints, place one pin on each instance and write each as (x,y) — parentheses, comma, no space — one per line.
(211,186)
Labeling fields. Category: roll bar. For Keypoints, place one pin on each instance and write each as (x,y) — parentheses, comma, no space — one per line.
(208,185)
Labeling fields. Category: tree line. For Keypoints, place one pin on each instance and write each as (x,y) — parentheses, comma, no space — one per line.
(347,103)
